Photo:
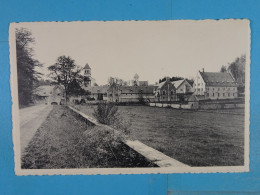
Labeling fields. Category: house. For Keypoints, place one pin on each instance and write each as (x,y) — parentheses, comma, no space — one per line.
(183,89)
(97,92)
(49,94)
(42,93)
(118,93)
(215,85)
(166,91)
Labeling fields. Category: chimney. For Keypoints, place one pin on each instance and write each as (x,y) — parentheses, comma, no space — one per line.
(202,69)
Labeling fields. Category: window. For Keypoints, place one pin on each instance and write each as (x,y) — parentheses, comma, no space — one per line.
(213,88)
(171,92)
(233,94)
(164,92)
(213,94)
(228,94)
(199,84)
(223,94)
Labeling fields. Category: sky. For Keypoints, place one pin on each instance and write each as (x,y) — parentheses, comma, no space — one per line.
(152,49)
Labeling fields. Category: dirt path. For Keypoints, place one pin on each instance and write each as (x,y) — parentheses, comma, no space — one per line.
(31,119)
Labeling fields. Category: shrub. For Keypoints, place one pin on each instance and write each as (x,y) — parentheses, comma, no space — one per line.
(106,113)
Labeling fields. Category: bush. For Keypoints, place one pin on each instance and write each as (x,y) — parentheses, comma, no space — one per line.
(106,113)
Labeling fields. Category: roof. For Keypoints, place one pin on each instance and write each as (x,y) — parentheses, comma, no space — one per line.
(97,89)
(178,83)
(44,90)
(218,78)
(87,66)
(137,89)
(143,83)
(160,85)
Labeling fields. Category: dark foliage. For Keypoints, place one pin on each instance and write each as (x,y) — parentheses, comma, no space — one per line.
(75,89)
(65,71)
(27,75)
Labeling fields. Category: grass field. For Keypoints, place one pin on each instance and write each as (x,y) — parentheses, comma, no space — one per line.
(64,141)
(192,137)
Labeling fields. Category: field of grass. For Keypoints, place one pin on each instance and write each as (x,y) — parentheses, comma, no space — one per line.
(64,141)
(192,137)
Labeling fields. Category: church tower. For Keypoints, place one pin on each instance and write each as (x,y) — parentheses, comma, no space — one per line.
(87,75)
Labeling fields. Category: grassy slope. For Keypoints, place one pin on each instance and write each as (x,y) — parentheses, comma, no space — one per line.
(194,138)
(63,141)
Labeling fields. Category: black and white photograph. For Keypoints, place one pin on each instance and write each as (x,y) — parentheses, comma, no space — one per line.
(130,97)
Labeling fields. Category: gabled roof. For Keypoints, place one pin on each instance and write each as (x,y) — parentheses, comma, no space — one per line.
(218,78)
(160,85)
(44,90)
(178,83)
(87,66)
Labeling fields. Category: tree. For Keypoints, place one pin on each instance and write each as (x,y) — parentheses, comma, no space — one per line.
(75,89)
(64,72)
(223,68)
(136,78)
(110,80)
(26,64)
(237,69)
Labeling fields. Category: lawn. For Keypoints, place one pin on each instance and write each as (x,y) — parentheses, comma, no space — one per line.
(64,141)
(192,137)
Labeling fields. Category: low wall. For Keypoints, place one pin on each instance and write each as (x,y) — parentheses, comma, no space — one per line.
(220,106)
(198,105)
(167,105)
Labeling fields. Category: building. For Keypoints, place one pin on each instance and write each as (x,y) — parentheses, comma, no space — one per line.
(215,85)
(183,89)
(97,92)
(166,91)
(143,83)
(118,93)
(88,80)
(49,94)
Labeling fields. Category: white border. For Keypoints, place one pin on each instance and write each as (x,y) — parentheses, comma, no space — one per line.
(107,171)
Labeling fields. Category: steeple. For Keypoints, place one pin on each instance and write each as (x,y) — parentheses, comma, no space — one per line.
(87,75)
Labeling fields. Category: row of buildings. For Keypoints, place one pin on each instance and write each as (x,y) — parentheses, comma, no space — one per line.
(207,85)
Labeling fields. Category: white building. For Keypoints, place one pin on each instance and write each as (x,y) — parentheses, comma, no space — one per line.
(215,85)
